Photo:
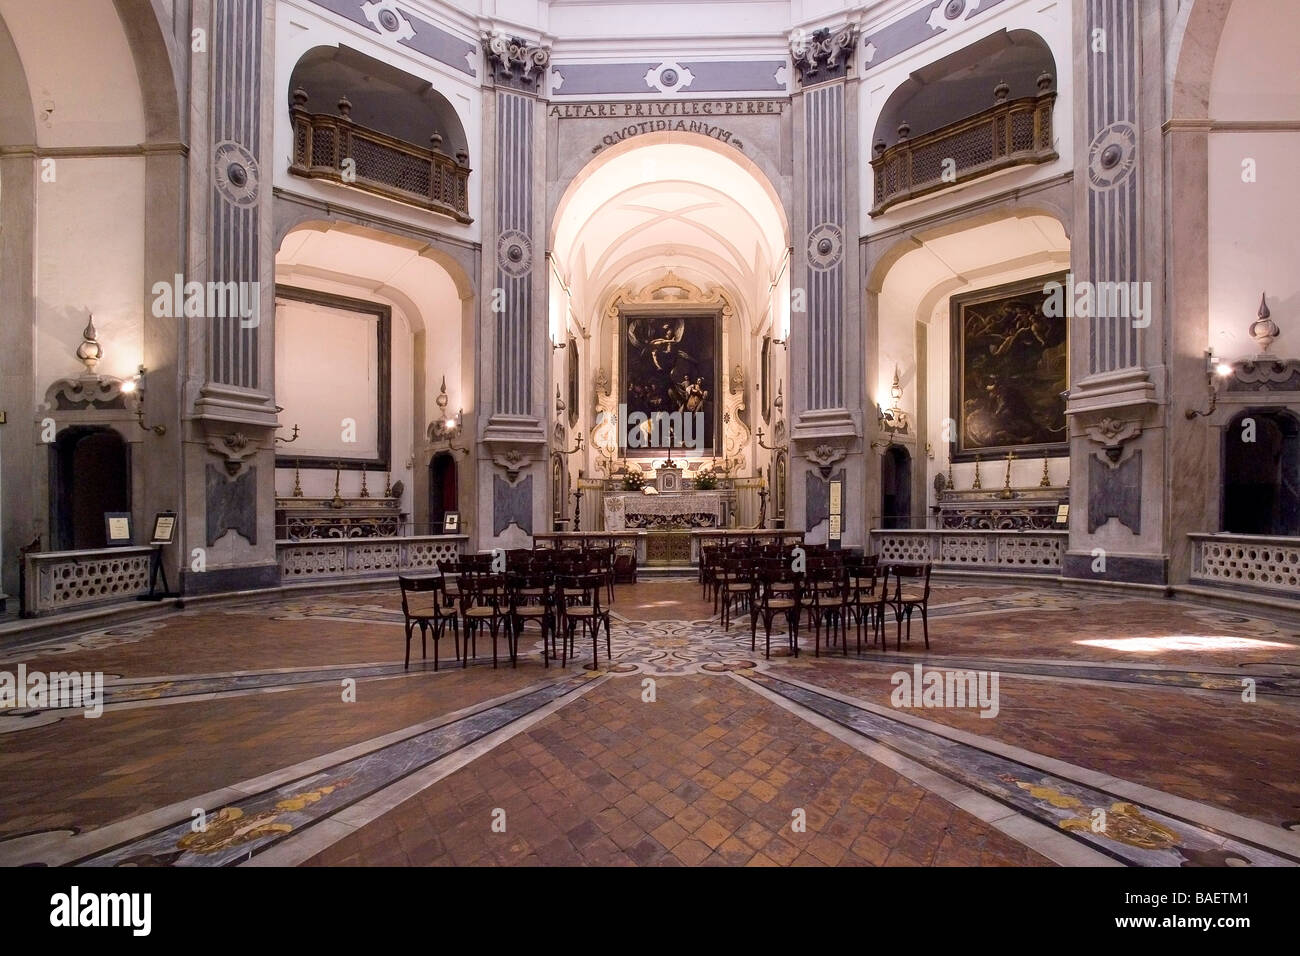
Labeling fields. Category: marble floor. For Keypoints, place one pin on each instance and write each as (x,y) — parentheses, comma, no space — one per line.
(1047,727)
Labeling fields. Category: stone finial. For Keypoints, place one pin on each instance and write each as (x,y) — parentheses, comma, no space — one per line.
(89,352)
(300,98)
(879,148)
(435,142)
(345,107)
(904,130)
(1264,330)
(1001,92)
(1045,81)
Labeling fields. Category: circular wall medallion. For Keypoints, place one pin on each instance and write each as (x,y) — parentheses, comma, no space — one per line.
(235,173)
(825,246)
(1112,155)
(389,21)
(668,77)
(514,253)
(954,9)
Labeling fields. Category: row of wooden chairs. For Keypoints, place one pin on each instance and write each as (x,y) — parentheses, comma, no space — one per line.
(830,591)
(560,604)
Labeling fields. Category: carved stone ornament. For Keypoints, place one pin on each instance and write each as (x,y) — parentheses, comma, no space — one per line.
(515,61)
(235,447)
(513,461)
(604,434)
(89,391)
(825,54)
(825,456)
(1264,330)
(1112,434)
(1270,375)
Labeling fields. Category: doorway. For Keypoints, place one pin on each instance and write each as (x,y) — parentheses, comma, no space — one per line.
(1261,473)
(895,487)
(442,489)
(90,474)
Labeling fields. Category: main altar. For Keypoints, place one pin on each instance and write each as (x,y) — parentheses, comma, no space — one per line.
(674,511)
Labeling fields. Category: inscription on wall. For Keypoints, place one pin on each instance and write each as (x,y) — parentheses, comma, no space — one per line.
(680,117)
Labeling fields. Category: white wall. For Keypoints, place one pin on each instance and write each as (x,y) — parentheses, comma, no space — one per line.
(1254,239)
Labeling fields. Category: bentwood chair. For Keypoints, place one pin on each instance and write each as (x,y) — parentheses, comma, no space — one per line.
(824,601)
(578,602)
(775,592)
(602,563)
(909,596)
(532,598)
(485,603)
(425,605)
(735,582)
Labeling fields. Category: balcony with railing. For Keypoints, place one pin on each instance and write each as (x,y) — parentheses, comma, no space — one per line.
(334,148)
(1012,132)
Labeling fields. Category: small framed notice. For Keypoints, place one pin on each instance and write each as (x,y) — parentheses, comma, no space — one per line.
(117,528)
(451,522)
(1062,514)
(836,516)
(164,527)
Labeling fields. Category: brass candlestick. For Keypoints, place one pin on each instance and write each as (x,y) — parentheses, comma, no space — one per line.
(1046,481)
(388,483)
(1006,485)
(976,485)
(297,481)
(365,492)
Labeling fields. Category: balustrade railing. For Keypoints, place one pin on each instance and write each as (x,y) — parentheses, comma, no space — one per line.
(1245,560)
(336,149)
(1011,133)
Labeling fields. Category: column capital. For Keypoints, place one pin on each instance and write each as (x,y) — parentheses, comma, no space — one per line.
(825,54)
(515,62)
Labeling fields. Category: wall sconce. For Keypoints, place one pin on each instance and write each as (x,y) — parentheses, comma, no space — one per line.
(763,445)
(135,386)
(444,428)
(556,346)
(1214,370)
(893,419)
(575,449)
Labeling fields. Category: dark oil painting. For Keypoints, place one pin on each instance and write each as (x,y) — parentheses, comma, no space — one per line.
(671,364)
(1010,368)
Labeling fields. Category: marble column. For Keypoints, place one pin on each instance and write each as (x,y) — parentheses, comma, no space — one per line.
(1117,376)
(512,472)
(229,471)
(825,336)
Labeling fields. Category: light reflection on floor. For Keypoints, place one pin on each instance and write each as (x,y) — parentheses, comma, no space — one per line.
(1181,642)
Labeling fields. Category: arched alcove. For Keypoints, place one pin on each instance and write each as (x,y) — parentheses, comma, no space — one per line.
(1261,473)
(383,97)
(895,487)
(962,84)
(442,489)
(90,475)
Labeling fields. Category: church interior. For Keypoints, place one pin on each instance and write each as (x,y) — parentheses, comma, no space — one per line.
(502,433)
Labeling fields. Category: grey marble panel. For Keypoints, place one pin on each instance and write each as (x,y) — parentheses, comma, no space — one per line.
(1115,493)
(232,505)
(512,503)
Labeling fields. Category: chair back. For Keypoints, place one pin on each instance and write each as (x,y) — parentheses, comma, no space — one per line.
(483,590)
(912,572)
(411,585)
(572,590)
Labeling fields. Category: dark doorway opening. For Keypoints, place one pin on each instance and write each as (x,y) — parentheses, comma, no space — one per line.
(90,474)
(442,489)
(1261,473)
(895,488)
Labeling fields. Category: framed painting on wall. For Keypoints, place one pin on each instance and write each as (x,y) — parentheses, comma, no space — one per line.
(1010,366)
(671,363)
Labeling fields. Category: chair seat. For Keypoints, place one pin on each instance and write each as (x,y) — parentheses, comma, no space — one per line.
(579,610)
(861,584)
(780,603)
(428,608)
(530,610)
(737,585)
(912,597)
(482,612)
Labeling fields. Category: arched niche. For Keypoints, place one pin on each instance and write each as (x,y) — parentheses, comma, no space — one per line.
(1261,473)
(383,97)
(962,83)
(90,475)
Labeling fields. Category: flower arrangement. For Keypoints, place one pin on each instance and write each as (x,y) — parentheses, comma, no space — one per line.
(633,480)
(706,479)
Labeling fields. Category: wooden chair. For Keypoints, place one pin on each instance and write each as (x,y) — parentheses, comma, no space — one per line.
(860,594)
(485,603)
(909,596)
(735,582)
(602,563)
(532,598)
(824,600)
(775,592)
(430,611)
(578,602)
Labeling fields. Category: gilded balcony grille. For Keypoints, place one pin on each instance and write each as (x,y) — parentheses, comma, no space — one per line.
(336,149)
(1014,133)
